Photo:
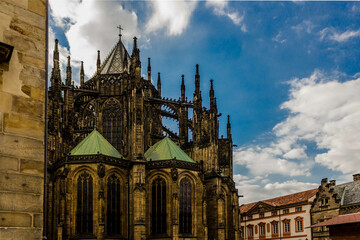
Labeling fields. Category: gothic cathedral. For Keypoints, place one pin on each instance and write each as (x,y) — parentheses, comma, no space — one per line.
(116,172)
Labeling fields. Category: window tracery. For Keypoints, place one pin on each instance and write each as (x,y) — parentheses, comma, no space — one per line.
(89,117)
(113,224)
(84,211)
(112,123)
(158,207)
(185,219)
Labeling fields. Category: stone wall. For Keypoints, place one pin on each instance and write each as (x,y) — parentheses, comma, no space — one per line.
(22,88)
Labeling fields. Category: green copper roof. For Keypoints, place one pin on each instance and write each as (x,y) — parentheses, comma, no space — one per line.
(166,150)
(93,144)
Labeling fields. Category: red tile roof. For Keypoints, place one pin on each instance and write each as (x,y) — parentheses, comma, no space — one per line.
(341,219)
(283,200)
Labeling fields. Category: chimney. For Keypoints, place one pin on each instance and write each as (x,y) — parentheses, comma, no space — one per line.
(356,177)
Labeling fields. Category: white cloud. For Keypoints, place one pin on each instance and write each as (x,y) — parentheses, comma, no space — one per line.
(278,38)
(323,112)
(332,34)
(221,8)
(253,190)
(305,25)
(93,28)
(174,16)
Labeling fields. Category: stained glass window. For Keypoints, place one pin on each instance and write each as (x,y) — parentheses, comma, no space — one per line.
(158,217)
(185,219)
(84,211)
(113,224)
(112,123)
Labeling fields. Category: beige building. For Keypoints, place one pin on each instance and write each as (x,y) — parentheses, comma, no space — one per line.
(284,217)
(22,88)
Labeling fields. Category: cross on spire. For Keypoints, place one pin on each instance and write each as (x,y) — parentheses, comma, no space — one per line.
(120,28)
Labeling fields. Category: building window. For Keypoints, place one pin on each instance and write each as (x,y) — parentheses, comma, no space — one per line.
(112,123)
(262,228)
(274,228)
(158,207)
(84,210)
(251,231)
(299,226)
(113,223)
(298,209)
(273,213)
(185,219)
(285,211)
(261,215)
(250,217)
(286,227)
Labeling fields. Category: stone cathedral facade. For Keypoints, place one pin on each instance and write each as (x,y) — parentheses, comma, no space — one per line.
(113,174)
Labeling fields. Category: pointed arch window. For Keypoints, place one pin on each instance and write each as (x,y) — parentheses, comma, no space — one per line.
(89,117)
(84,210)
(113,224)
(158,197)
(185,218)
(112,123)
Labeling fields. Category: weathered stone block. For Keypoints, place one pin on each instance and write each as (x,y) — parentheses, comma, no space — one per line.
(6,102)
(31,61)
(15,220)
(15,182)
(27,106)
(19,3)
(20,234)
(33,77)
(29,30)
(22,125)
(38,7)
(22,147)
(9,163)
(20,202)
(32,167)
(38,220)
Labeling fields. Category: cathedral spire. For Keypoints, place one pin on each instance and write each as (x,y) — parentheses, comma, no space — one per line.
(212,95)
(98,62)
(159,84)
(228,127)
(56,55)
(182,88)
(68,72)
(82,75)
(149,70)
(197,80)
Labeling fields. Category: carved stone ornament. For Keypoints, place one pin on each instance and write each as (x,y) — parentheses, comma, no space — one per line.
(174,174)
(101,170)
(140,186)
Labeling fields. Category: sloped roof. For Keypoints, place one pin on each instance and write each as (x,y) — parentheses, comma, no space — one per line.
(341,219)
(94,144)
(349,192)
(282,201)
(114,63)
(166,149)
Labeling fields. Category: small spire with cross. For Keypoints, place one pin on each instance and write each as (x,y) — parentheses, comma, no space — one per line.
(120,28)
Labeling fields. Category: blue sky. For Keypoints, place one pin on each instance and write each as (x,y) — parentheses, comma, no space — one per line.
(286,72)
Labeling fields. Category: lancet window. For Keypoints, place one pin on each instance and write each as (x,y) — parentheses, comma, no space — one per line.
(113,224)
(185,218)
(84,211)
(158,207)
(112,123)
